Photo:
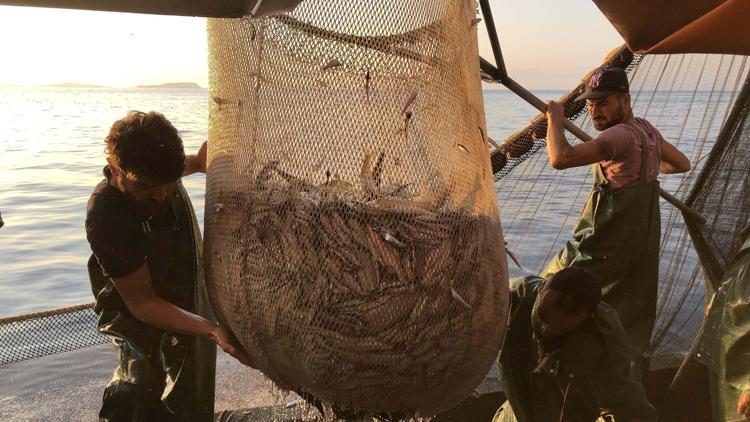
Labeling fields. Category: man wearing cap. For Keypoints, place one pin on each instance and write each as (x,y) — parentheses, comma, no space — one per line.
(617,235)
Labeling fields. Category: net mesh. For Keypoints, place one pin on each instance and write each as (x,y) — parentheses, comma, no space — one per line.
(352,229)
(47,333)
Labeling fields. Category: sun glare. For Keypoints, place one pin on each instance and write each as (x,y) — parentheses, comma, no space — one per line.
(48,46)
(546,44)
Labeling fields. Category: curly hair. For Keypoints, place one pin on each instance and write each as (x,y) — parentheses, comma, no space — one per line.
(146,145)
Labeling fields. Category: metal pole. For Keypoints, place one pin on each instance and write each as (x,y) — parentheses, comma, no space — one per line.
(489,22)
(502,76)
(205,8)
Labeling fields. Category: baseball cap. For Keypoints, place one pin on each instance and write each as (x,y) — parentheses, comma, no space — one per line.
(605,81)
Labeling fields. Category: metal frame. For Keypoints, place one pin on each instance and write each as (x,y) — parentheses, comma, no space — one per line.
(205,8)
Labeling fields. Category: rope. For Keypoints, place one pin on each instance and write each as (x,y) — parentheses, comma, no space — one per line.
(50,332)
(46,314)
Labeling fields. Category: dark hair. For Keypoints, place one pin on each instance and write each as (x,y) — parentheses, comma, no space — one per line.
(579,290)
(147,145)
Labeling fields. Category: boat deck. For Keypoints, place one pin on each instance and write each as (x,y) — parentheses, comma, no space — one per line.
(68,386)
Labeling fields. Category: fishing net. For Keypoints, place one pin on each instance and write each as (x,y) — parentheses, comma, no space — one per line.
(352,233)
(45,333)
(721,192)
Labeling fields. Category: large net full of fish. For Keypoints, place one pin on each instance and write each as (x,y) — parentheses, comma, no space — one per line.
(352,233)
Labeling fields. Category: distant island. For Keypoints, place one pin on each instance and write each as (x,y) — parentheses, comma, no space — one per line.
(172,85)
(77,85)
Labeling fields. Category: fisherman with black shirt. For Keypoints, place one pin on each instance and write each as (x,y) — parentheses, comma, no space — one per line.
(565,355)
(146,273)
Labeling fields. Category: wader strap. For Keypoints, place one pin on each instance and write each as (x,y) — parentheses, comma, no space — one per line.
(641,135)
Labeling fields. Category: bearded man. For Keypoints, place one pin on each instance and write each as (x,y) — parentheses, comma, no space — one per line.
(617,236)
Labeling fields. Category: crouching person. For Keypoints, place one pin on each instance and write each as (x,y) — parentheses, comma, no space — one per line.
(147,276)
(565,356)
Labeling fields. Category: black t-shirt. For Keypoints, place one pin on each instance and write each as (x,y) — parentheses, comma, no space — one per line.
(115,232)
(123,238)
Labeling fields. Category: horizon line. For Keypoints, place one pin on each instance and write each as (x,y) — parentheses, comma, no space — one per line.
(83,85)
(92,85)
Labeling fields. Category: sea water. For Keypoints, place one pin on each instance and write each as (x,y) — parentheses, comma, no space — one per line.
(52,155)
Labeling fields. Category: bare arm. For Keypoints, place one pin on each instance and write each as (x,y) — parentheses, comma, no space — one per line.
(139,296)
(196,163)
(561,154)
(672,159)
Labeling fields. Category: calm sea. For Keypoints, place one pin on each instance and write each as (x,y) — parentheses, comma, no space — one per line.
(52,154)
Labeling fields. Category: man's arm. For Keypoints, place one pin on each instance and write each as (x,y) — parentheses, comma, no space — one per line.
(561,154)
(196,163)
(139,296)
(672,159)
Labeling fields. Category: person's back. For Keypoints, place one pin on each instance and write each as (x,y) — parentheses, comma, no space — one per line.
(566,365)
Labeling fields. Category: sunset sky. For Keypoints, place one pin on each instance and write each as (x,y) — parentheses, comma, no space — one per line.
(547,44)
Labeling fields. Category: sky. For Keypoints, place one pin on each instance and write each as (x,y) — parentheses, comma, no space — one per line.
(547,44)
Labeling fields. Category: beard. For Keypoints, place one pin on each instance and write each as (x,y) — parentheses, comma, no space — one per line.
(618,116)
(146,207)
(141,207)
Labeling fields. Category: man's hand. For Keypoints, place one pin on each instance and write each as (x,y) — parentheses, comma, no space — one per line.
(561,154)
(228,343)
(196,163)
(743,405)
(555,111)
(200,158)
(709,304)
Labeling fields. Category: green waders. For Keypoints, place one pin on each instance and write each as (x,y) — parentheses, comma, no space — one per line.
(160,376)
(726,343)
(579,381)
(616,239)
